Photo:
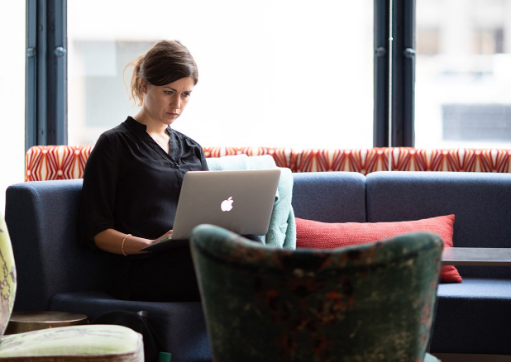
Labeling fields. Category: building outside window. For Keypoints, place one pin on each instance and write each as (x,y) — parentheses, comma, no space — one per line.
(276,73)
(463,77)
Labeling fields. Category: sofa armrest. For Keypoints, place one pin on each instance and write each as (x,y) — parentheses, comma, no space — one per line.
(42,220)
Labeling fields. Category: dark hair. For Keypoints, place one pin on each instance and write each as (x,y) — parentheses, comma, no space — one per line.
(166,62)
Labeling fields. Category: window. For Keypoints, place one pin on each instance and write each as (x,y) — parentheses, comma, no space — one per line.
(297,74)
(98,95)
(278,73)
(12,95)
(463,78)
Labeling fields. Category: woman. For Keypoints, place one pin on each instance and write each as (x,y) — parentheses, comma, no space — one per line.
(133,178)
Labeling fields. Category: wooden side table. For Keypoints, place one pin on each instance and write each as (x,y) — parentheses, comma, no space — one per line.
(21,322)
(477,256)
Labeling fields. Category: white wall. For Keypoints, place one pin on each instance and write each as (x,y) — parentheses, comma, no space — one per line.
(12,95)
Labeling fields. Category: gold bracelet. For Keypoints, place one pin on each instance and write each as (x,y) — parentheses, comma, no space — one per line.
(122,244)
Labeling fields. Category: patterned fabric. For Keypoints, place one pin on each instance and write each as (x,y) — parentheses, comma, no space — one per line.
(56,162)
(79,341)
(68,162)
(371,302)
(7,277)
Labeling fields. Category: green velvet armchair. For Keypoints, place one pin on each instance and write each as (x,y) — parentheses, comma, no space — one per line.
(372,302)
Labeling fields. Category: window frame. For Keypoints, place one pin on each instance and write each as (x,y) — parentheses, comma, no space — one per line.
(46,73)
(47,90)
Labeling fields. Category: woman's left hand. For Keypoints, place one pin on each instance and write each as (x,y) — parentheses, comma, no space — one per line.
(164,236)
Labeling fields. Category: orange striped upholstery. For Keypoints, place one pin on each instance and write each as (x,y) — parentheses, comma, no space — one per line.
(55,162)
(68,162)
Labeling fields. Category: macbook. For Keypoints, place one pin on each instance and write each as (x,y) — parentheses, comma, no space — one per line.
(240,201)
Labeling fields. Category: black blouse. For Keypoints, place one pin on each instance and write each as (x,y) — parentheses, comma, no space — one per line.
(132,185)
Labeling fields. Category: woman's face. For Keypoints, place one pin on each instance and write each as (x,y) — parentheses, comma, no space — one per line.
(165,103)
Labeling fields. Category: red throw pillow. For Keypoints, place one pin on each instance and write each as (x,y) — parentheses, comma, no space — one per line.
(323,235)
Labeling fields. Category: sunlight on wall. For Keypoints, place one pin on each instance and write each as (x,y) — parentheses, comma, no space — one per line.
(12,96)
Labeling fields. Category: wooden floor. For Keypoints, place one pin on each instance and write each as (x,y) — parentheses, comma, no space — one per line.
(451,357)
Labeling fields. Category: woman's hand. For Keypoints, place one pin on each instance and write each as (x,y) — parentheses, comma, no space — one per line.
(164,236)
(116,242)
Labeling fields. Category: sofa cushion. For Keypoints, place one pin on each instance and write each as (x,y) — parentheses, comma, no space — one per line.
(473,317)
(314,234)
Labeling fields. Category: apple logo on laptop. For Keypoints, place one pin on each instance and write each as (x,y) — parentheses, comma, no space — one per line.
(227,204)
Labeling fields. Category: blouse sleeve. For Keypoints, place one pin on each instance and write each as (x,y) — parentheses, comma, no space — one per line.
(203,161)
(98,192)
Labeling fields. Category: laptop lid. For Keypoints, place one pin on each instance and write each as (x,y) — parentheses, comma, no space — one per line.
(241,201)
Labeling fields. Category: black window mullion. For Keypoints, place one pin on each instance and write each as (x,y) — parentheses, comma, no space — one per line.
(46,83)
(42,74)
(31,76)
(403,73)
(409,73)
(402,99)
(381,73)
(57,73)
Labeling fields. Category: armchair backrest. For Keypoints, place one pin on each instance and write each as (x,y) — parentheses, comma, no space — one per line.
(372,302)
(42,220)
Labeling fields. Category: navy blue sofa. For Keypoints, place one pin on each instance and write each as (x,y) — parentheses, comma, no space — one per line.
(473,317)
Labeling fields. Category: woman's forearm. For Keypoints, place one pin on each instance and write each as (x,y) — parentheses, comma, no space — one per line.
(112,241)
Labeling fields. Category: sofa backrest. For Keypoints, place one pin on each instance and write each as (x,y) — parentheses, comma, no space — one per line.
(481,203)
(42,220)
(329,196)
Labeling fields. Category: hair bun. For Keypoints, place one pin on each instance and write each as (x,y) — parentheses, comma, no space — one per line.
(166,62)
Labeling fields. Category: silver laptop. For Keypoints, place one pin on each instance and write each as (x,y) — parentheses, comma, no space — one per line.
(240,201)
